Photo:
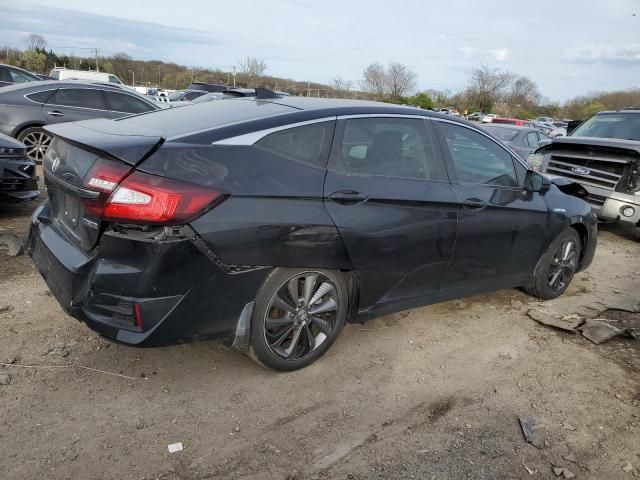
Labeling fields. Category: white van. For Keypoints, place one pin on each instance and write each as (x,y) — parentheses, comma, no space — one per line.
(61,73)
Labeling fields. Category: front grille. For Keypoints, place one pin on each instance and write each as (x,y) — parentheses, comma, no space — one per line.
(606,173)
(597,200)
(12,184)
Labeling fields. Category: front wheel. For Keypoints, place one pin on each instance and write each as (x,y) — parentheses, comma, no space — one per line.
(298,314)
(557,266)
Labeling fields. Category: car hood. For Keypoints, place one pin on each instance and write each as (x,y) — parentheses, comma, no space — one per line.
(8,142)
(632,145)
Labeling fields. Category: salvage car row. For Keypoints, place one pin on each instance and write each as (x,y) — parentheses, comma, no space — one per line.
(271,221)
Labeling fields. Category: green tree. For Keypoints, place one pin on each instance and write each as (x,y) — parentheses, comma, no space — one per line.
(422,100)
(591,109)
(34,61)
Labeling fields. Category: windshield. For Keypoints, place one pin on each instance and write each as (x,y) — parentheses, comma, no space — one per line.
(207,98)
(624,126)
(176,96)
(504,134)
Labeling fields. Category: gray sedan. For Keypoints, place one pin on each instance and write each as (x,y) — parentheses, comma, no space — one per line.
(523,140)
(26,108)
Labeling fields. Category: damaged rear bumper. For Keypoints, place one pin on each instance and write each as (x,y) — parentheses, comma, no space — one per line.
(142,292)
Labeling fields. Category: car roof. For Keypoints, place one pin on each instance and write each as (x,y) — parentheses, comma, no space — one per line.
(44,84)
(200,118)
(506,126)
(622,110)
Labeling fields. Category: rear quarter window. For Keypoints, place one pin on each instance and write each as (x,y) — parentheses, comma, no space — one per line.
(40,97)
(309,144)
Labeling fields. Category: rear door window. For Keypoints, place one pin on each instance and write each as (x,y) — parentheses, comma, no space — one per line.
(81,98)
(478,159)
(308,143)
(4,75)
(390,147)
(121,102)
(532,139)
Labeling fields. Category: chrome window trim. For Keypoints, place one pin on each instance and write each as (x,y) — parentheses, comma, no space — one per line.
(382,115)
(474,129)
(253,137)
(26,95)
(81,108)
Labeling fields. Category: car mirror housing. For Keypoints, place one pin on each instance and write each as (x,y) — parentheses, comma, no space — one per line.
(534,182)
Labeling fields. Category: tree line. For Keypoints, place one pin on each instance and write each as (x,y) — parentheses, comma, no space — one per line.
(488,90)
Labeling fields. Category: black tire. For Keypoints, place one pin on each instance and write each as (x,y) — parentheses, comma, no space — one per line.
(558,265)
(289,329)
(37,142)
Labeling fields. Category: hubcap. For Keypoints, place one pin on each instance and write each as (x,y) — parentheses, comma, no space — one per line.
(301,315)
(563,265)
(37,144)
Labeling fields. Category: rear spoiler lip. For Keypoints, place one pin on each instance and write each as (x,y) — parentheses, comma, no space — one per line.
(95,136)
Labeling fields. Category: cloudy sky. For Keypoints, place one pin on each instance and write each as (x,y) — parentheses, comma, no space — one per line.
(569,47)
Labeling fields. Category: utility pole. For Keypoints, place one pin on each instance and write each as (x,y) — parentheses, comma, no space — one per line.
(234,76)
(133,75)
(97,68)
(158,75)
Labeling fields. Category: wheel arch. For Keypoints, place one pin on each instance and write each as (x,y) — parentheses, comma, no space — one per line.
(21,128)
(583,233)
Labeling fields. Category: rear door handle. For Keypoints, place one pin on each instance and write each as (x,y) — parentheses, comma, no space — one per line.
(474,204)
(348,197)
(55,113)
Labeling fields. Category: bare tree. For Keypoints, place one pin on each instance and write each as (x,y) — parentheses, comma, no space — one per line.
(374,80)
(487,86)
(253,68)
(400,80)
(35,41)
(523,92)
(341,86)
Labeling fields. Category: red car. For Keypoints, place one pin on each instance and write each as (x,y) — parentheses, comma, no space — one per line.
(513,121)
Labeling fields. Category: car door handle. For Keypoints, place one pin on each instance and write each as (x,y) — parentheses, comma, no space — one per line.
(348,197)
(55,113)
(474,204)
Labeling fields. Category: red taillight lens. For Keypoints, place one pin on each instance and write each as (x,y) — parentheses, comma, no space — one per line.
(144,198)
(105,175)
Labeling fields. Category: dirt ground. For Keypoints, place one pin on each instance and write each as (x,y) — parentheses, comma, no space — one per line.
(432,393)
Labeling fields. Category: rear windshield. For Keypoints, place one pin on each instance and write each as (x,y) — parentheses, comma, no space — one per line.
(173,122)
(504,134)
(623,126)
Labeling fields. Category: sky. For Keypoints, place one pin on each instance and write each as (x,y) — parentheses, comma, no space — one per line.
(568,47)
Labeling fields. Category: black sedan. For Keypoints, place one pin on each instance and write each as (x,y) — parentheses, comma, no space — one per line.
(272,222)
(18,181)
(26,108)
(523,140)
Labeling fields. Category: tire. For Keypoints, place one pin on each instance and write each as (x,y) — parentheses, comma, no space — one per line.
(37,142)
(556,268)
(290,327)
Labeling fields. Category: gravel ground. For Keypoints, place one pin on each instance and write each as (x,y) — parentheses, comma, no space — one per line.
(431,393)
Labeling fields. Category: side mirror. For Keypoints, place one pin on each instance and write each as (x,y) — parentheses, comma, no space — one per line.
(534,182)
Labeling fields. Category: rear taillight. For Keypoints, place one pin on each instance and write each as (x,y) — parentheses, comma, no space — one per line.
(105,175)
(143,198)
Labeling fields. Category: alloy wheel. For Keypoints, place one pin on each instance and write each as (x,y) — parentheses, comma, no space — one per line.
(301,315)
(563,265)
(37,143)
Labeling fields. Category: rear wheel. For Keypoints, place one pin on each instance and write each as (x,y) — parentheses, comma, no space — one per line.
(557,266)
(297,316)
(37,142)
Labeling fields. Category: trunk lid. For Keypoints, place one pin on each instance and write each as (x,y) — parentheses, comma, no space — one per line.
(74,151)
